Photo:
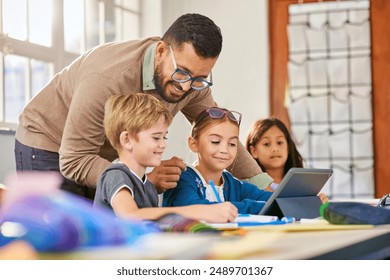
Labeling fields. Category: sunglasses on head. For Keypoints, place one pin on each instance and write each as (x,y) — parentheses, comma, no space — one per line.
(218,113)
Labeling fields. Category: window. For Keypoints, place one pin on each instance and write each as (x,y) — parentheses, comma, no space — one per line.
(39,37)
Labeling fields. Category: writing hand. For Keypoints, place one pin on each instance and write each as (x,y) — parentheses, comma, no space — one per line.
(221,213)
(212,213)
(166,175)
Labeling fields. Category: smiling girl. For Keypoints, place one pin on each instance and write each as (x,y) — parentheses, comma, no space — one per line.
(214,138)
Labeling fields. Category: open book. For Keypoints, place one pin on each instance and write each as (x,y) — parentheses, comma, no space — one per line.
(178,223)
(248,218)
(244,220)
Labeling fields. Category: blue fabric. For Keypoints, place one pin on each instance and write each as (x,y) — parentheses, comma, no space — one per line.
(344,213)
(190,190)
(29,159)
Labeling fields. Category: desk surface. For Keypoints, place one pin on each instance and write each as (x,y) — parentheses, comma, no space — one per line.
(335,244)
(365,243)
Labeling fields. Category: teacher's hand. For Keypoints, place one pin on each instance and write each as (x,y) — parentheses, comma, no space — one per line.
(166,175)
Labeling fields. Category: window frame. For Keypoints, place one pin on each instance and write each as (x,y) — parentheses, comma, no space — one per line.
(55,54)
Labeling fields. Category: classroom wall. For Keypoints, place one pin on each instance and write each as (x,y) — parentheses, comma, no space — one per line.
(240,75)
(7,163)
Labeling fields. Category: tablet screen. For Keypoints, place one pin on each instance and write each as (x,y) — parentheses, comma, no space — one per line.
(299,182)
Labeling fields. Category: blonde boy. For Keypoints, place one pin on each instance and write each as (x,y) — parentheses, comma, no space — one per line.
(136,126)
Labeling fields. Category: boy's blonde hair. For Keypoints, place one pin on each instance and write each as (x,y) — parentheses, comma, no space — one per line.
(132,113)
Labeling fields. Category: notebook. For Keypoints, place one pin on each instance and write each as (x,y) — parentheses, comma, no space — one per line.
(296,195)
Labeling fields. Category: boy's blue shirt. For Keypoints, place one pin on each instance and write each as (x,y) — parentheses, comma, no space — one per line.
(248,198)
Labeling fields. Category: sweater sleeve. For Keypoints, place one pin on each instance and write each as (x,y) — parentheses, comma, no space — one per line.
(261,180)
(83,136)
(187,192)
(248,198)
(248,206)
(250,191)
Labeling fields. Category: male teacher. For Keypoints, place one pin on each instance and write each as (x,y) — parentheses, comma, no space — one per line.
(61,128)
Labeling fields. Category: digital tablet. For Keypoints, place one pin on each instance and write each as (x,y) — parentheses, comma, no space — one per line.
(296,195)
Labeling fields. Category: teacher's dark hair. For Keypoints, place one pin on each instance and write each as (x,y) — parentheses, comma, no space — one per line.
(198,30)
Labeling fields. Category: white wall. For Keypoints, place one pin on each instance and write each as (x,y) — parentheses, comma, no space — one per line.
(241,74)
(7,163)
(151,19)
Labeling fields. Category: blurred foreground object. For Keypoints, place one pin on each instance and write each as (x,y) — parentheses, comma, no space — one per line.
(36,211)
(2,192)
(18,250)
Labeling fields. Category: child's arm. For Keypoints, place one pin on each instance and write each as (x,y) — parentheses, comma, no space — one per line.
(249,206)
(123,204)
(213,213)
(125,207)
(248,198)
(250,191)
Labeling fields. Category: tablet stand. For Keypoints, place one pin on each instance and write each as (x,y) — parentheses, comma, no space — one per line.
(307,207)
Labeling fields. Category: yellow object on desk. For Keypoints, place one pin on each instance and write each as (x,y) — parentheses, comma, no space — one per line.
(320,225)
(242,246)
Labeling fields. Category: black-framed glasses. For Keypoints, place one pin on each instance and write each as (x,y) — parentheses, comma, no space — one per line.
(218,113)
(182,76)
